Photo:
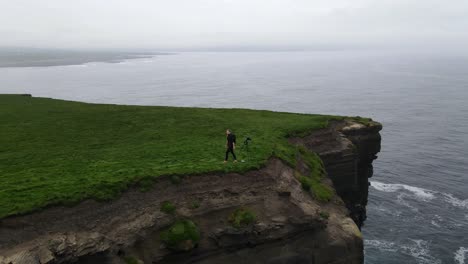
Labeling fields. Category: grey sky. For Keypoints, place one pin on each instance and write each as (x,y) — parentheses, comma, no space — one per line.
(173,24)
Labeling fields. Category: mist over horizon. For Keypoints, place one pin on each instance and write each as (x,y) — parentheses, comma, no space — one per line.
(213,25)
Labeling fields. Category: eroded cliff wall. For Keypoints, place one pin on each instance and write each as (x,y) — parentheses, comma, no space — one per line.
(291,226)
(348,150)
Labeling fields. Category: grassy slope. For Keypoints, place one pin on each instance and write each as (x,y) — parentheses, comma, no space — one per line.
(60,152)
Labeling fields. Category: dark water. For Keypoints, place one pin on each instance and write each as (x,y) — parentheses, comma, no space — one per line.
(418,205)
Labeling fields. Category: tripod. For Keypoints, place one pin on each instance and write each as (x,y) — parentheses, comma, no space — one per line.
(245,148)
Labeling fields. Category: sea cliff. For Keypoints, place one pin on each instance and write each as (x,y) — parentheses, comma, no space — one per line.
(284,224)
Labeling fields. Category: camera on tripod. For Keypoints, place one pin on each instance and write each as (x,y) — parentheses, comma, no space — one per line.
(245,148)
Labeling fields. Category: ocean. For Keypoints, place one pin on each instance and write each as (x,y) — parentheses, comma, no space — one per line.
(418,200)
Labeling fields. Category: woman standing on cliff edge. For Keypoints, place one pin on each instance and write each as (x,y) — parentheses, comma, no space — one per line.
(230,145)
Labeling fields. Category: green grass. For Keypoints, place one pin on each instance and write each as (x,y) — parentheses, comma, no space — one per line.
(324,215)
(61,152)
(181,235)
(241,217)
(313,181)
(167,207)
(131,260)
(363,120)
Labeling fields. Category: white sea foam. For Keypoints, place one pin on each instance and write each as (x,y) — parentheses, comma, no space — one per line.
(460,255)
(380,245)
(385,210)
(455,201)
(420,193)
(437,219)
(420,251)
(401,200)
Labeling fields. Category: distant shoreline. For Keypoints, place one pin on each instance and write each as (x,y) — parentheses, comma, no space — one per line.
(50,59)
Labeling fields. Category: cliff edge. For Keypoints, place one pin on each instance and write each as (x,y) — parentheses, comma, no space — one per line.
(262,216)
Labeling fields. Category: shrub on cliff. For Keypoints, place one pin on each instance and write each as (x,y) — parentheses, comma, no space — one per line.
(324,215)
(168,207)
(183,235)
(320,191)
(241,217)
(313,181)
(131,260)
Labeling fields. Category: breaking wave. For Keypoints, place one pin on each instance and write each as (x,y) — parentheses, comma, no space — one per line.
(455,201)
(417,249)
(460,255)
(419,193)
(381,245)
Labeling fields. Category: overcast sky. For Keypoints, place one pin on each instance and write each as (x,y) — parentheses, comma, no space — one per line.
(175,24)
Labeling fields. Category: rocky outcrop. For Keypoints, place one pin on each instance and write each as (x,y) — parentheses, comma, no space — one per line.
(347,149)
(290,226)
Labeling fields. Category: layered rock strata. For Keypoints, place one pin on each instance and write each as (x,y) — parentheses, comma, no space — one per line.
(290,225)
(347,150)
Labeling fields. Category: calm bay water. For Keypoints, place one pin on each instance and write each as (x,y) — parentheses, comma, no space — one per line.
(418,202)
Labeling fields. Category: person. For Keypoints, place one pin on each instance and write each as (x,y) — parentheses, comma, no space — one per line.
(230,145)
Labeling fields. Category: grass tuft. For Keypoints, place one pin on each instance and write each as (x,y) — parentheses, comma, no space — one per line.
(183,235)
(131,260)
(313,182)
(241,217)
(167,207)
(324,215)
(362,120)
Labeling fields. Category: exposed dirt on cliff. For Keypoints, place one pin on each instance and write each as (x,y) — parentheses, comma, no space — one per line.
(290,224)
(130,225)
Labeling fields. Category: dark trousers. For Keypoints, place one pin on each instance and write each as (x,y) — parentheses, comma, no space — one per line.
(232,151)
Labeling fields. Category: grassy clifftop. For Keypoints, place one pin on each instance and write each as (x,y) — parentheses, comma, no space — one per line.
(60,152)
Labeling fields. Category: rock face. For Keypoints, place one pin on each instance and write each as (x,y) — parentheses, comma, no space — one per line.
(290,226)
(347,150)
